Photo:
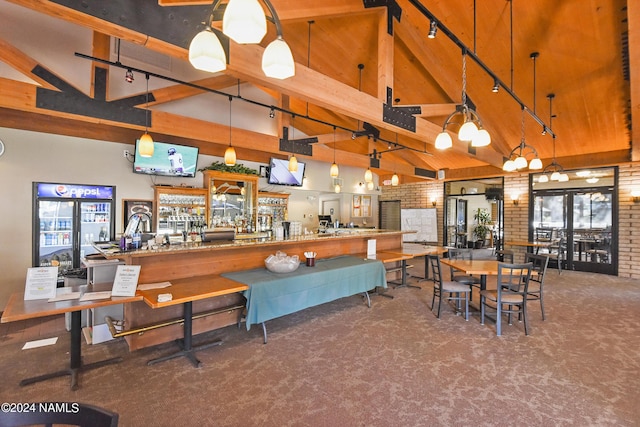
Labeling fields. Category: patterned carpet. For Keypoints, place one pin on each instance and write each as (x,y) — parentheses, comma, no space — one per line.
(343,364)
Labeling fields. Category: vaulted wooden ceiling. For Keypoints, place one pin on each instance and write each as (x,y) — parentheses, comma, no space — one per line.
(348,67)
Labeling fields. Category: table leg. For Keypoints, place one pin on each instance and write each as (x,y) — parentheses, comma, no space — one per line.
(403,281)
(185,344)
(75,357)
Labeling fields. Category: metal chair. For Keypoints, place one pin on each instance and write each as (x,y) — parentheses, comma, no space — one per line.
(536,283)
(505,255)
(510,297)
(463,254)
(50,413)
(454,289)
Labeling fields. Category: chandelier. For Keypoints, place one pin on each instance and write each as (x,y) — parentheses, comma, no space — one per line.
(518,157)
(471,129)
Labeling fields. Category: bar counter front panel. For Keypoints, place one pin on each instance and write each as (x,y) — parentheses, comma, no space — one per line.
(197,259)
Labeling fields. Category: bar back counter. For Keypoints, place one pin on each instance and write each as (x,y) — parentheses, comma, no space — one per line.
(187,260)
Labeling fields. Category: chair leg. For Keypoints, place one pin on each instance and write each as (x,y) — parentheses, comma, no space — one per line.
(433,300)
(498,319)
(542,305)
(524,315)
(439,303)
(466,309)
(482,301)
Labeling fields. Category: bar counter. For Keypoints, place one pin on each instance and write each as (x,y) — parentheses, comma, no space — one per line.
(191,259)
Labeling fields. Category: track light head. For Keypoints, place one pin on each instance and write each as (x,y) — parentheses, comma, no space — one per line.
(128,76)
(433,29)
(496,86)
(272,113)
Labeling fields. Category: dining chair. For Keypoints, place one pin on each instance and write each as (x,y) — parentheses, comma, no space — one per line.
(510,296)
(505,255)
(56,413)
(465,279)
(456,291)
(557,252)
(536,282)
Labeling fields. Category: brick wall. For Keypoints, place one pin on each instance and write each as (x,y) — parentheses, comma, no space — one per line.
(628,222)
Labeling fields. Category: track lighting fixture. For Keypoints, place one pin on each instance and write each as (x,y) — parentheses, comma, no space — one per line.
(496,86)
(272,113)
(128,76)
(244,22)
(433,29)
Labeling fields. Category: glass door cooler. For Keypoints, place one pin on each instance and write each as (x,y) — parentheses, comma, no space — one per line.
(67,219)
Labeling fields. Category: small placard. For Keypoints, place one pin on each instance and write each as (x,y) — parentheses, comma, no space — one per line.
(126,281)
(371,248)
(41,283)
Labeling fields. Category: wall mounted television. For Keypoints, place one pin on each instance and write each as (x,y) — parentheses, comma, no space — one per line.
(279,173)
(167,160)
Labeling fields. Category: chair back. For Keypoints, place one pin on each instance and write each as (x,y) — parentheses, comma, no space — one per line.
(514,278)
(460,253)
(505,255)
(539,264)
(73,414)
(436,269)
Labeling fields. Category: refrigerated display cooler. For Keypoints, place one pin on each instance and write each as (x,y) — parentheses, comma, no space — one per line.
(67,219)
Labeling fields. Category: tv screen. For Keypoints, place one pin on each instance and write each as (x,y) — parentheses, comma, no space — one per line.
(167,160)
(279,173)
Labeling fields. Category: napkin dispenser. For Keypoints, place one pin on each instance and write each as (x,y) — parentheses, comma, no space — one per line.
(218,234)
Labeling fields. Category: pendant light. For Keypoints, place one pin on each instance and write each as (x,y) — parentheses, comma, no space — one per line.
(230,152)
(368,176)
(244,21)
(145,143)
(293,162)
(335,171)
(395,180)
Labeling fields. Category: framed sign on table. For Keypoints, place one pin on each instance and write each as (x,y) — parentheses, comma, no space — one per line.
(361,206)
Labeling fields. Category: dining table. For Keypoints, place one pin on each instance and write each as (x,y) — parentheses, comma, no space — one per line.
(537,244)
(420,250)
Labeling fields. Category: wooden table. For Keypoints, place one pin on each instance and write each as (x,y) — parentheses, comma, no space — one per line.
(185,291)
(418,250)
(391,257)
(481,267)
(19,309)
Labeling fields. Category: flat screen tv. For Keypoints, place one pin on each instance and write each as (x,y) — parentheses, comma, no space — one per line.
(167,160)
(279,173)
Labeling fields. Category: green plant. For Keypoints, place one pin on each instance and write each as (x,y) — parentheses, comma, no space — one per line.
(237,168)
(483,220)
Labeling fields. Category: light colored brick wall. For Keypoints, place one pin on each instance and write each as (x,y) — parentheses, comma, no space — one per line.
(516,217)
(418,195)
(628,222)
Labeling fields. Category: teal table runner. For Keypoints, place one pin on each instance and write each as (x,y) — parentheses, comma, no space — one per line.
(272,295)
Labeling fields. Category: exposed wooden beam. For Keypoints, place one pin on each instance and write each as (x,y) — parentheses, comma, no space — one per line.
(15,58)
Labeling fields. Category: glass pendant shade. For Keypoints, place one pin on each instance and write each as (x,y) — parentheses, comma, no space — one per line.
(555,176)
(230,156)
(482,139)
(145,145)
(370,185)
(543,178)
(368,176)
(467,131)
(443,140)
(336,188)
(535,164)
(277,60)
(293,164)
(563,177)
(334,171)
(244,21)
(395,180)
(520,162)
(206,52)
(509,166)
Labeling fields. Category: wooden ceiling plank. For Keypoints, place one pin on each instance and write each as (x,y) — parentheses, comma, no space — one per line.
(385,56)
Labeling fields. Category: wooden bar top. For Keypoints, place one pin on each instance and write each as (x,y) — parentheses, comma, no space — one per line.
(192,289)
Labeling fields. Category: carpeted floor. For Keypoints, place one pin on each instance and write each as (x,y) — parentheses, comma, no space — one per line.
(343,364)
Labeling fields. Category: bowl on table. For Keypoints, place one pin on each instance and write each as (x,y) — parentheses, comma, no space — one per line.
(281,263)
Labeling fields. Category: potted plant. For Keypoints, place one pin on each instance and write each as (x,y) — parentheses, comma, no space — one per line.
(483,226)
